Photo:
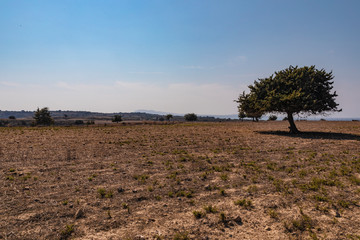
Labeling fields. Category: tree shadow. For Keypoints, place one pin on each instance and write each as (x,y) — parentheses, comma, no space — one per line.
(314,135)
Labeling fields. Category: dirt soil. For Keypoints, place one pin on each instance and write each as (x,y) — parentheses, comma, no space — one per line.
(234,180)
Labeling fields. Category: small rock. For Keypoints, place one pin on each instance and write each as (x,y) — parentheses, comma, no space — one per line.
(26,188)
(134,191)
(267,228)
(238,220)
(337,214)
(80,213)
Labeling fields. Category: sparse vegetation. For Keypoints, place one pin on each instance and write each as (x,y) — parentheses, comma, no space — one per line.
(66,233)
(247,204)
(205,179)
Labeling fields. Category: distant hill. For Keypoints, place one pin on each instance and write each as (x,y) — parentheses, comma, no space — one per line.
(140,115)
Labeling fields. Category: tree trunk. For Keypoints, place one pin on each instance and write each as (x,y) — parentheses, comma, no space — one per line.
(292,127)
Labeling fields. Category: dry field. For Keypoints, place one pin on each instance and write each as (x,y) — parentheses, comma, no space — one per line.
(239,180)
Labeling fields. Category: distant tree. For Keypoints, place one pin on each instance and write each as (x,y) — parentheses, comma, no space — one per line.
(65,116)
(117,118)
(294,90)
(169,117)
(79,122)
(191,117)
(90,122)
(43,117)
(12,117)
(249,107)
(272,118)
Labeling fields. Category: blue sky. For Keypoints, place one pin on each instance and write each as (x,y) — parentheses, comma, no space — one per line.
(166,55)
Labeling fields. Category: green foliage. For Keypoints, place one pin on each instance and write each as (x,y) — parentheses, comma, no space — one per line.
(101,192)
(242,114)
(210,209)
(292,91)
(247,204)
(117,118)
(66,233)
(191,117)
(43,117)
(273,214)
(248,107)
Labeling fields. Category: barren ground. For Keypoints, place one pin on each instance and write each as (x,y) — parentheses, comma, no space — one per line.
(240,180)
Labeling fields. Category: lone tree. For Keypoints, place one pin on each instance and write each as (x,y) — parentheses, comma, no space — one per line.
(191,117)
(248,107)
(117,118)
(294,90)
(169,117)
(43,117)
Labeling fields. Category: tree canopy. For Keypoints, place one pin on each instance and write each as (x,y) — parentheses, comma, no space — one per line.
(248,107)
(43,117)
(294,90)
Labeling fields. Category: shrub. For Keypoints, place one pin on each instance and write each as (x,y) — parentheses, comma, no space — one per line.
(191,117)
(66,233)
(210,209)
(244,203)
(272,118)
(117,118)
(198,214)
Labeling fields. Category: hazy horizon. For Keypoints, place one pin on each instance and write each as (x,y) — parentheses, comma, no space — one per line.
(169,56)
